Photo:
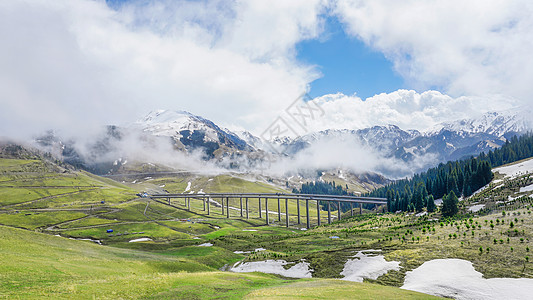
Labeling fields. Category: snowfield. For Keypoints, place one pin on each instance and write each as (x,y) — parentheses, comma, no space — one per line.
(300,270)
(476,208)
(528,188)
(457,278)
(188,188)
(516,169)
(367,266)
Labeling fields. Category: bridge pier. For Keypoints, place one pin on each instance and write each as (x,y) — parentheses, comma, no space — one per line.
(266,206)
(279,211)
(298,208)
(329,212)
(246,208)
(286,212)
(318,211)
(225,204)
(307,212)
(227,207)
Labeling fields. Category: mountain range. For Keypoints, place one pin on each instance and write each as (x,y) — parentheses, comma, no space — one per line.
(242,151)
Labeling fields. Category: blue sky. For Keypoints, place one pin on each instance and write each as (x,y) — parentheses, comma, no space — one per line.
(347,65)
(84,58)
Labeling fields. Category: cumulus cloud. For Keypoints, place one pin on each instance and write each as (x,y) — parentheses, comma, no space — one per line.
(462,47)
(76,64)
(404,108)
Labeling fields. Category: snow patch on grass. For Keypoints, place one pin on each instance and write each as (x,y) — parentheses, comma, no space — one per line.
(140,240)
(528,188)
(457,278)
(476,208)
(188,187)
(367,266)
(299,270)
(516,169)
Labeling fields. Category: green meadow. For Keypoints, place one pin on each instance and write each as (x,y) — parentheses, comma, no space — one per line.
(169,263)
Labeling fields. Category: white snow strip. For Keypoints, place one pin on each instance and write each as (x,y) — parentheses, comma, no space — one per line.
(457,278)
(476,208)
(528,188)
(249,230)
(420,214)
(188,187)
(480,189)
(516,169)
(259,249)
(205,245)
(300,270)
(90,240)
(498,186)
(140,240)
(438,201)
(367,266)
(241,252)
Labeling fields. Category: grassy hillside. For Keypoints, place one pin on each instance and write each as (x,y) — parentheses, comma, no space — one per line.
(41,266)
(37,266)
(38,196)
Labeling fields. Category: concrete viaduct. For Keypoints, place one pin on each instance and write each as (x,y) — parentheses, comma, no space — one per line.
(265,197)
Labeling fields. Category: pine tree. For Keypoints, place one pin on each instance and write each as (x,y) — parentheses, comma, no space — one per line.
(449,205)
(431,204)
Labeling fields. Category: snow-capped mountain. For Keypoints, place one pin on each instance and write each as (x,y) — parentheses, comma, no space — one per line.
(189,131)
(491,123)
(446,141)
(185,132)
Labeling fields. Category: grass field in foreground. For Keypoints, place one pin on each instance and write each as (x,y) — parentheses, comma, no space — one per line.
(334,289)
(36,265)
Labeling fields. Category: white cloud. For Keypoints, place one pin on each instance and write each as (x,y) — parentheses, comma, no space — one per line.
(466,47)
(404,108)
(77,64)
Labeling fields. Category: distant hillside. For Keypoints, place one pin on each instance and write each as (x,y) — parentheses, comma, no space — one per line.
(462,177)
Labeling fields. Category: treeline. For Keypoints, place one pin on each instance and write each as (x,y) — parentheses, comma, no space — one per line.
(322,188)
(328,188)
(458,178)
(517,148)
